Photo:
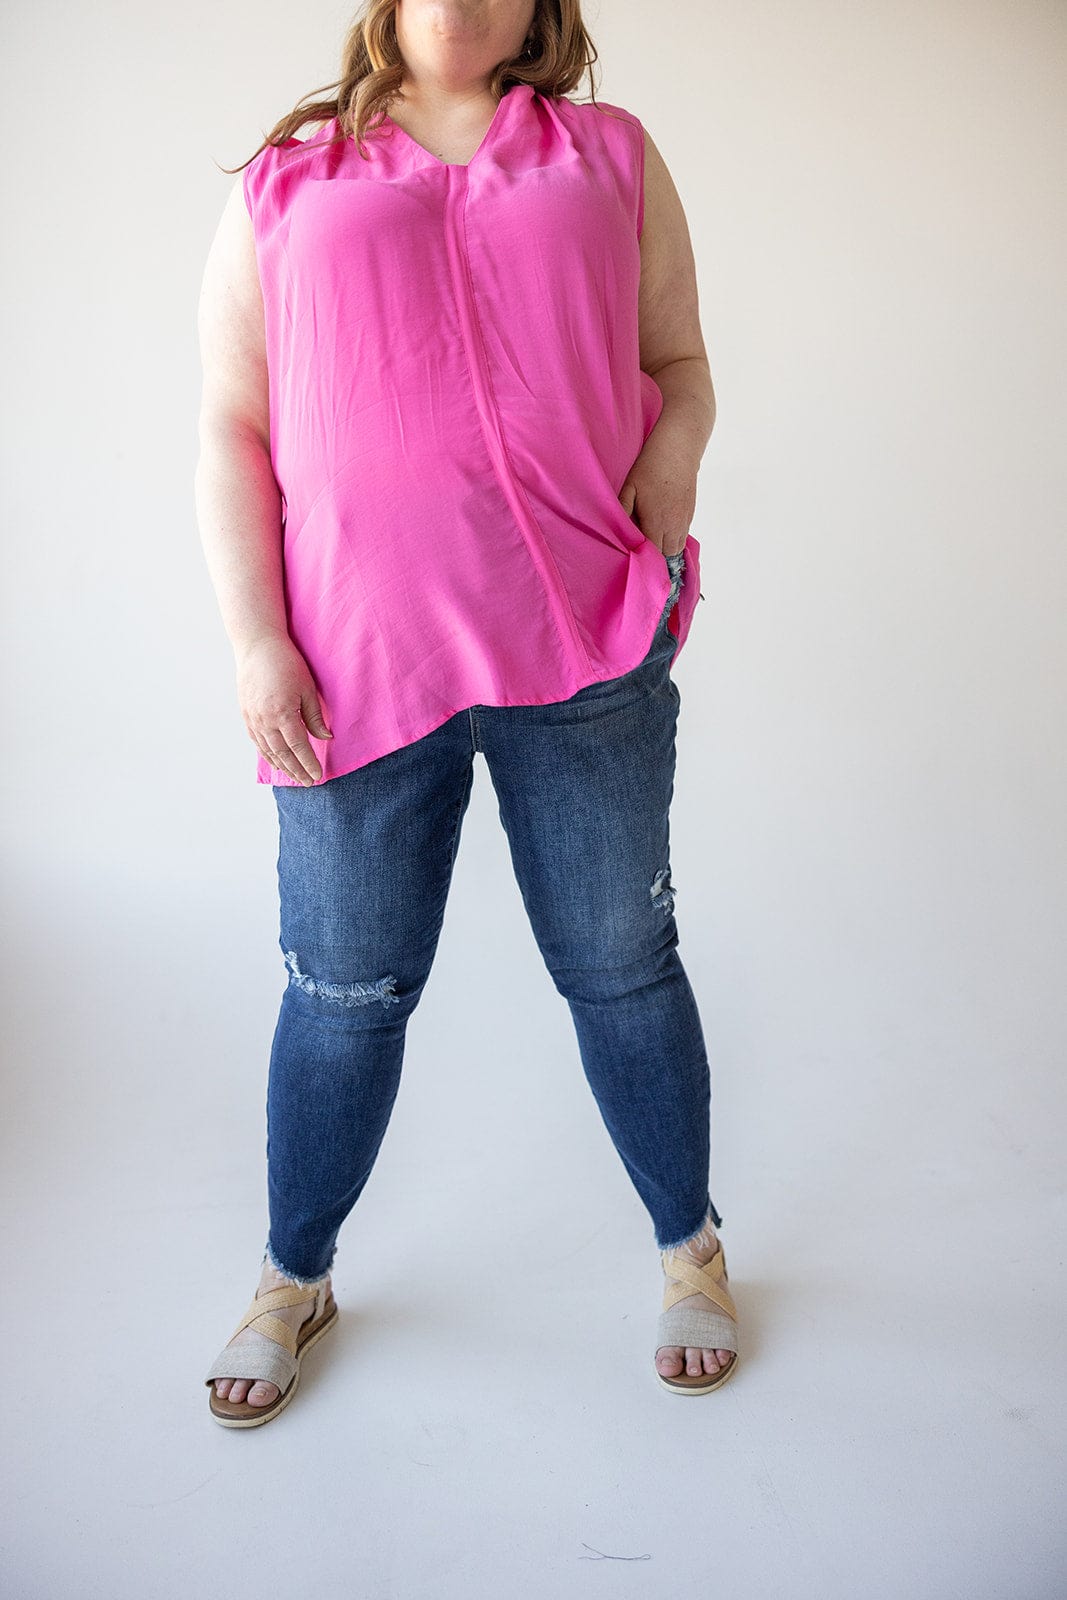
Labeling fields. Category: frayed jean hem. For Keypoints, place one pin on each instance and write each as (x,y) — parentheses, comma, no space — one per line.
(710,1215)
(297,1278)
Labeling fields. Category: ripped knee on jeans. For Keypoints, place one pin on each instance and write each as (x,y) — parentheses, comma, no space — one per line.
(343,994)
(662,890)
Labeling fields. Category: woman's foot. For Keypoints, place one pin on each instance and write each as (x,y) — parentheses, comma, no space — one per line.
(672,1359)
(256,1391)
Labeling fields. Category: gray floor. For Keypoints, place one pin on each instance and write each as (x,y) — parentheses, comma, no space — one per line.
(484,1419)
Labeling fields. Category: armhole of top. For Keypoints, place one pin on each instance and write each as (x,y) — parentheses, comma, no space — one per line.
(623,114)
(256,176)
(253,179)
(244,189)
(640,178)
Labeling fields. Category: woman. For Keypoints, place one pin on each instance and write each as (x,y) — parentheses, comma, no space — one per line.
(445,506)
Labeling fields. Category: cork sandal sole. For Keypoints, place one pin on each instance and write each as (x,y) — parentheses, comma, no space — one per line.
(281,1366)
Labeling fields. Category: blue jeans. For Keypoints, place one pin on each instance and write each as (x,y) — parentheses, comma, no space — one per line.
(365,861)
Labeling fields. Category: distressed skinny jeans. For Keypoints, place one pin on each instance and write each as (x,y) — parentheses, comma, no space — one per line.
(364,865)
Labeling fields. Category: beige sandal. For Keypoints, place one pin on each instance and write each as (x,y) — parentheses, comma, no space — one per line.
(688,1326)
(280,1364)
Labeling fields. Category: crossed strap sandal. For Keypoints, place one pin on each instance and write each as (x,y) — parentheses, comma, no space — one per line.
(278,1362)
(693,1327)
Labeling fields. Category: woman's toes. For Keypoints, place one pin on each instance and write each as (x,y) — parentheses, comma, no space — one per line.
(673,1359)
(259,1393)
(669,1361)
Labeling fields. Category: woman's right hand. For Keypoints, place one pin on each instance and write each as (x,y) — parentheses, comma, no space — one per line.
(280,705)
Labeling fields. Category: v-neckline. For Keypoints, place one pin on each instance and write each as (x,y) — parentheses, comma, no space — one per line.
(487,137)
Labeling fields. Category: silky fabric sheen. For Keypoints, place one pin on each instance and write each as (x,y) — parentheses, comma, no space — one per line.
(456,400)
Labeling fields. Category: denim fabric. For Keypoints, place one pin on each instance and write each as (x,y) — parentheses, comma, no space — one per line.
(584,789)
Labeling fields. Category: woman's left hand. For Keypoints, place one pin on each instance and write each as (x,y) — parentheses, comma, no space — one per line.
(660,492)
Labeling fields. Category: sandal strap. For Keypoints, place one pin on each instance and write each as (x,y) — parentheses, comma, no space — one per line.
(271,1328)
(689,1278)
(683,1326)
(265,1363)
(259,1313)
(276,1363)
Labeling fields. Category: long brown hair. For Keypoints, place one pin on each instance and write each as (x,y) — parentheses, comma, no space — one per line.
(372,69)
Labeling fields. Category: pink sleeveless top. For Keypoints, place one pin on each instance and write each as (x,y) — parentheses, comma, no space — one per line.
(456,399)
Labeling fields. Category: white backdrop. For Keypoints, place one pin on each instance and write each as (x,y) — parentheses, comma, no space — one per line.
(868,848)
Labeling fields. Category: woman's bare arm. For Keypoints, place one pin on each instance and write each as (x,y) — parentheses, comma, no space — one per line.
(237,498)
(661,486)
(668,305)
(239,504)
